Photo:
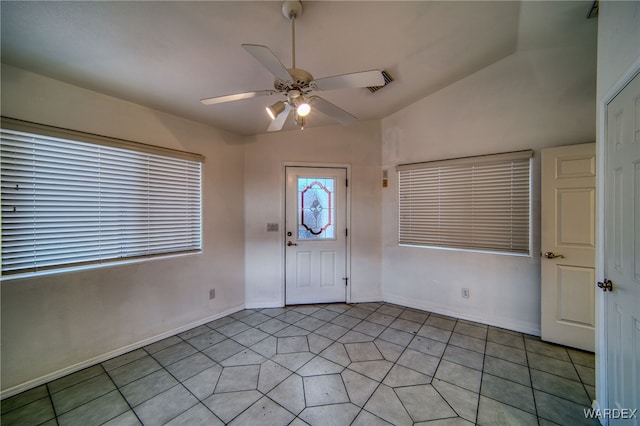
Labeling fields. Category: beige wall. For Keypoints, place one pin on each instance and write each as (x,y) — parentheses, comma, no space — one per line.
(543,95)
(57,323)
(357,145)
(81,317)
(618,41)
(540,96)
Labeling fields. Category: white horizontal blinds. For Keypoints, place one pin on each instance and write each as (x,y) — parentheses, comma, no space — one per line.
(71,135)
(68,202)
(477,203)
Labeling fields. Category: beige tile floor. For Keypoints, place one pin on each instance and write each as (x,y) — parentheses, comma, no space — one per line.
(337,364)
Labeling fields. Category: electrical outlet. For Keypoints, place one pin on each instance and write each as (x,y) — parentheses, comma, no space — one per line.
(465,293)
(212,294)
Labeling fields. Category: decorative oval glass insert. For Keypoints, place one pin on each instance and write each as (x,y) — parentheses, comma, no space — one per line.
(315,208)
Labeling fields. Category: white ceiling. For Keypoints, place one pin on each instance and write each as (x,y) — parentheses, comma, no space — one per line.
(168,55)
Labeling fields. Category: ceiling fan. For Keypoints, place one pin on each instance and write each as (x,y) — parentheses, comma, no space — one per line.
(297,85)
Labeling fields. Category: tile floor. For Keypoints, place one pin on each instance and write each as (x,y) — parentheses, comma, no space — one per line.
(337,364)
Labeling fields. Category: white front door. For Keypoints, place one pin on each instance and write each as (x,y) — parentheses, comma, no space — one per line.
(568,245)
(315,235)
(622,250)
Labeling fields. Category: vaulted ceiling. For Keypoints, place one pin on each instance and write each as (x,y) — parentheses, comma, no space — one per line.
(168,55)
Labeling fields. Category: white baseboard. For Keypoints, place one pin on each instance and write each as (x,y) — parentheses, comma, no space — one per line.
(265,304)
(410,303)
(279,304)
(14,390)
(366,299)
(520,327)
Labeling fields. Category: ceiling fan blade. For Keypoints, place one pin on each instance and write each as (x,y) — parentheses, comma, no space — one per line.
(346,81)
(278,122)
(236,97)
(269,60)
(327,108)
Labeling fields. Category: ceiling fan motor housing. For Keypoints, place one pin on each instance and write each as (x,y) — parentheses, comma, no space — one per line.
(300,80)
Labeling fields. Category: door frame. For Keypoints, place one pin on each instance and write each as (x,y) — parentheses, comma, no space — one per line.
(347,219)
(602,385)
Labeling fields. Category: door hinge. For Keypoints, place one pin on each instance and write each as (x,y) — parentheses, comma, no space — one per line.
(346,281)
(346,182)
(346,232)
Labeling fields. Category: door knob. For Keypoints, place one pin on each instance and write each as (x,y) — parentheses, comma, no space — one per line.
(607,285)
(289,243)
(551,255)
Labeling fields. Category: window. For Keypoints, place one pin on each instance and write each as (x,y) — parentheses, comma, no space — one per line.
(474,203)
(70,199)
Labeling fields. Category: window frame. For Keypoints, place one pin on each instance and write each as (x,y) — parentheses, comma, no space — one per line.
(428,190)
(147,206)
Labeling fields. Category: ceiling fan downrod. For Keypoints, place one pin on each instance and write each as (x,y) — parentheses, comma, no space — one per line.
(291,10)
(293,41)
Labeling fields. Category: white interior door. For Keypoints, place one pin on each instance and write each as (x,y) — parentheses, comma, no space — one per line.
(568,245)
(622,250)
(315,235)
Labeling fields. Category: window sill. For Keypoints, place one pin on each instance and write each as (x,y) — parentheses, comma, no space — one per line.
(64,270)
(502,253)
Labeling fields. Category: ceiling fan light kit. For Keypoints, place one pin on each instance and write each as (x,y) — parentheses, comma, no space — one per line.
(275,109)
(297,84)
(303,109)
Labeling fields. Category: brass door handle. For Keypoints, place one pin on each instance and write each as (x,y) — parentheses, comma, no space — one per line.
(551,255)
(289,243)
(607,285)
